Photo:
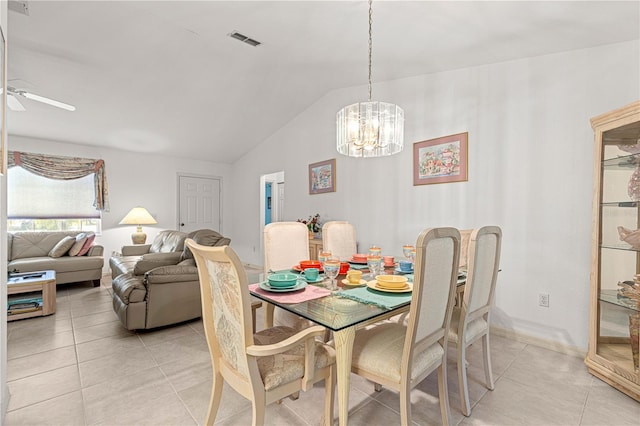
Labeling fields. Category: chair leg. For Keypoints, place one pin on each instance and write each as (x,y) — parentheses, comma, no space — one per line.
(214,403)
(294,396)
(462,380)
(488,373)
(329,396)
(405,405)
(443,392)
(258,409)
(377,387)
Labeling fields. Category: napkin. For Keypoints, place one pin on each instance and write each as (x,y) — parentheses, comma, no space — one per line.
(380,299)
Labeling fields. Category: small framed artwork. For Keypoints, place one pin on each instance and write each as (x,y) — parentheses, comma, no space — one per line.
(322,177)
(441,160)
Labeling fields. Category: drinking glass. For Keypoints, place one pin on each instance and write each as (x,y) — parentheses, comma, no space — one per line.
(374,262)
(331,269)
(323,256)
(407,250)
(374,250)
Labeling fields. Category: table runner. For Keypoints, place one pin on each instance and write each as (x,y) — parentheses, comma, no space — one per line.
(310,292)
(378,298)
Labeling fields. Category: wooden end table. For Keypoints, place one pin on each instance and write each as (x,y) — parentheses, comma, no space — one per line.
(42,281)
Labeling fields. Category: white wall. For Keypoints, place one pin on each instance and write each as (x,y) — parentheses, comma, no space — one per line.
(530,172)
(137,179)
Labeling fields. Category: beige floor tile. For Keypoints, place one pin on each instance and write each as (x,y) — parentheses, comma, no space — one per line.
(156,336)
(62,410)
(275,415)
(93,308)
(117,364)
(99,331)
(41,342)
(607,405)
(165,410)
(44,386)
(184,374)
(94,319)
(106,347)
(192,348)
(112,400)
(536,404)
(374,413)
(30,365)
(197,398)
(48,325)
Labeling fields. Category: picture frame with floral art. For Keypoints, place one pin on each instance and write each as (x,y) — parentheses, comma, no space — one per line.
(441,160)
(322,177)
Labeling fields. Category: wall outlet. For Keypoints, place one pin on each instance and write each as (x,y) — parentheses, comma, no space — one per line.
(543,299)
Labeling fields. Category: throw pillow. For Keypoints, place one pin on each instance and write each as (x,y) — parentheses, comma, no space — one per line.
(87,244)
(77,246)
(62,247)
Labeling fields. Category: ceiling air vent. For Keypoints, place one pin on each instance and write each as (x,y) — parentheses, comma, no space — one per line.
(244,39)
(19,6)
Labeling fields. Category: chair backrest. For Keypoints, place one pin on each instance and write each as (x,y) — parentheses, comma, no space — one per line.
(465,235)
(339,237)
(434,287)
(482,271)
(226,310)
(285,244)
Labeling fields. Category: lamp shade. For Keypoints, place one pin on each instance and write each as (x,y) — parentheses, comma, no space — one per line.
(138,216)
(370,129)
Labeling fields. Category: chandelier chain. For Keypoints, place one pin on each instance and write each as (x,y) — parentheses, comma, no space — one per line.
(370,45)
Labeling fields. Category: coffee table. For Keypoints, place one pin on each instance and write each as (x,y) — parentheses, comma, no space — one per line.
(39,281)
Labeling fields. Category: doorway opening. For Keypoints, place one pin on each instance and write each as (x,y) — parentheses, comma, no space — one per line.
(271,200)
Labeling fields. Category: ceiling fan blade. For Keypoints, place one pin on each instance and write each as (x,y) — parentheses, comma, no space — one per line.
(47,101)
(13,103)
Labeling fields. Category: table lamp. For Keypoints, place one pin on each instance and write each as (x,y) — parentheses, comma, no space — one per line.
(138,216)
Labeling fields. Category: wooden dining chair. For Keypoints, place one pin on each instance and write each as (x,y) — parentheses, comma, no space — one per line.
(465,234)
(263,367)
(285,245)
(400,355)
(339,237)
(471,321)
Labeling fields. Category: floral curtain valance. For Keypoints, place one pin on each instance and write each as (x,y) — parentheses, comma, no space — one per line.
(65,168)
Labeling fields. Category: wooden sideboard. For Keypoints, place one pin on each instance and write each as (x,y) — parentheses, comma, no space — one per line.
(315,247)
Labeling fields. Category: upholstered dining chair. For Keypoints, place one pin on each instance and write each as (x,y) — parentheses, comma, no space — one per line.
(263,367)
(339,237)
(400,355)
(285,245)
(472,319)
(465,234)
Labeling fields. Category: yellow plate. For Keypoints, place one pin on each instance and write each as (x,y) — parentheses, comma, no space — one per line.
(374,285)
(350,284)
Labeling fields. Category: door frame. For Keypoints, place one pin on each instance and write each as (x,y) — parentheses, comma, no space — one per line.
(200,176)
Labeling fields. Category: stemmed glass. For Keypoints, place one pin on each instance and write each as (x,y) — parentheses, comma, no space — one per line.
(374,250)
(331,269)
(374,262)
(323,256)
(409,252)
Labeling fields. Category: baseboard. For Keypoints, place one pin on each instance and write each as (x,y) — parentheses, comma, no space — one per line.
(540,342)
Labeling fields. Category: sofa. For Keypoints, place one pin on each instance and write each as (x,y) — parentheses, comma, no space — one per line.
(157,284)
(34,251)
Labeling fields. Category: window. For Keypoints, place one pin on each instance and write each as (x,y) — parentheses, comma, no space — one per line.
(36,203)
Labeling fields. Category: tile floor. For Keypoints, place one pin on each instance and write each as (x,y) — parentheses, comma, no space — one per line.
(81,367)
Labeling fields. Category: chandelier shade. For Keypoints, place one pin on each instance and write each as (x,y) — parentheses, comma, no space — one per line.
(370,129)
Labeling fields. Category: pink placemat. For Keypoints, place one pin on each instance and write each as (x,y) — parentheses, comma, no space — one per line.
(310,292)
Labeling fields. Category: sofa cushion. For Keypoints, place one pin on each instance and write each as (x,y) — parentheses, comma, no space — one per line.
(153,260)
(205,237)
(87,244)
(59,264)
(168,241)
(79,243)
(62,247)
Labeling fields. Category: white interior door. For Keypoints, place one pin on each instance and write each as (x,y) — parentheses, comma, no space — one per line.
(200,203)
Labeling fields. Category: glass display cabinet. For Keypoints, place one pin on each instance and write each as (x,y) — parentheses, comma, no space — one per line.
(615,257)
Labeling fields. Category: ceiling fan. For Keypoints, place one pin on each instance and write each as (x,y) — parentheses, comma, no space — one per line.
(14,104)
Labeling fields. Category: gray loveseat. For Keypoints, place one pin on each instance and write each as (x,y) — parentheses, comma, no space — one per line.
(157,284)
(29,251)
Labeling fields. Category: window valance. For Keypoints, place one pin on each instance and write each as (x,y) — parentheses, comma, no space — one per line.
(65,168)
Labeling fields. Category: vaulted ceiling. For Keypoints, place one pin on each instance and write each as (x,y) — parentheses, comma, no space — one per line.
(165,77)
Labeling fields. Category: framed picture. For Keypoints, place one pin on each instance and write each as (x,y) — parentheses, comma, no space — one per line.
(441,160)
(322,177)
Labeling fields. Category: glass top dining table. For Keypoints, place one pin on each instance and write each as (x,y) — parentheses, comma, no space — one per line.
(343,316)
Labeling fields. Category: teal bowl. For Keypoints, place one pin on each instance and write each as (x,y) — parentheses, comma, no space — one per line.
(283,280)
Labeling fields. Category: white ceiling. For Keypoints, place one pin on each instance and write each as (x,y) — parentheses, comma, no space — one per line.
(163,77)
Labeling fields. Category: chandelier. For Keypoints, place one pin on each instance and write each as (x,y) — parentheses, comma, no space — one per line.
(370,129)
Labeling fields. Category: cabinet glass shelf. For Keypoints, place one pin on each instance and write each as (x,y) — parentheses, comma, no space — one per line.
(612,296)
(625,162)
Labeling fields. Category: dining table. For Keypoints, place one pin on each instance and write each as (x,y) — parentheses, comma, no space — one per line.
(343,312)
